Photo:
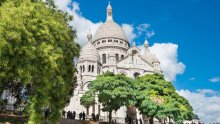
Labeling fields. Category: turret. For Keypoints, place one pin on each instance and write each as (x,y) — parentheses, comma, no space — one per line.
(156,64)
(146,45)
(109,12)
(148,56)
(89,65)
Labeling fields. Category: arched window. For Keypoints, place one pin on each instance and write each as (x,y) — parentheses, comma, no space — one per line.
(136,75)
(83,68)
(85,86)
(116,57)
(98,70)
(92,68)
(122,56)
(134,52)
(89,68)
(80,69)
(103,58)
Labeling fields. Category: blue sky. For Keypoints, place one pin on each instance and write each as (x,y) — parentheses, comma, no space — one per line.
(192,24)
(186,36)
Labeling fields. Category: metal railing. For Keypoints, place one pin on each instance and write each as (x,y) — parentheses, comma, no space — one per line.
(100,119)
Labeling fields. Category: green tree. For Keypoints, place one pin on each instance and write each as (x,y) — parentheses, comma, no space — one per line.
(185,110)
(37,48)
(156,98)
(1,2)
(87,100)
(113,91)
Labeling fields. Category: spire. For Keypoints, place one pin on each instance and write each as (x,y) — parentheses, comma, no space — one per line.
(109,12)
(146,44)
(89,36)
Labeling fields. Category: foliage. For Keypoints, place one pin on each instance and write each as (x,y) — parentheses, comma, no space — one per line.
(151,94)
(113,91)
(3,102)
(36,55)
(87,99)
(157,98)
(2,1)
(150,89)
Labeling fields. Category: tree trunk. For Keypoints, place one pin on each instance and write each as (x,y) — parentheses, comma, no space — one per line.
(169,119)
(151,120)
(110,116)
(87,110)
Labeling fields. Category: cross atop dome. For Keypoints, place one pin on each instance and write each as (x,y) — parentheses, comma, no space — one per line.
(109,12)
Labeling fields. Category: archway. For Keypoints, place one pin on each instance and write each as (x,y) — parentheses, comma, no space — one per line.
(136,75)
(134,52)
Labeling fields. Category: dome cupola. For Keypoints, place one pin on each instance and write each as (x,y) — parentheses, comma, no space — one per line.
(148,56)
(110,29)
(89,52)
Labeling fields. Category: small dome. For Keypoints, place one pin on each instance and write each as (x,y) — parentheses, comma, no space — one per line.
(89,52)
(156,60)
(148,57)
(110,29)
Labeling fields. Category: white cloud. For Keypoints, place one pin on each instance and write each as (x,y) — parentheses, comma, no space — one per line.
(214,79)
(192,79)
(145,29)
(133,32)
(167,53)
(80,23)
(205,103)
(129,31)
(142,28)
(149,34)
(62,4)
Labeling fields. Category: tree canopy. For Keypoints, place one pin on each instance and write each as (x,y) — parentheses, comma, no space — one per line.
(37,48)
(157,98)
(87,99)
(151,94)
(113,91)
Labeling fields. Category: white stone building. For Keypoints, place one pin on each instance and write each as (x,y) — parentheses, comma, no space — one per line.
(110,50)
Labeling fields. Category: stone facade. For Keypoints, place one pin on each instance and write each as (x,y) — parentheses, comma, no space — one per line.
(110,50)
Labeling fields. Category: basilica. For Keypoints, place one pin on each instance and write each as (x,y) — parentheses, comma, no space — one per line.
(110,50)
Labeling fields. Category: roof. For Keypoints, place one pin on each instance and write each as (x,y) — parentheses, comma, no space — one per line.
(89,52)
(110,29)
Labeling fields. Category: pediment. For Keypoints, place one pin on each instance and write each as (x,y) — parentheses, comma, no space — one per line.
(135,61)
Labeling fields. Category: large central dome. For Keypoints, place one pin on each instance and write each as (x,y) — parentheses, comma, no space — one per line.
(110,29)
